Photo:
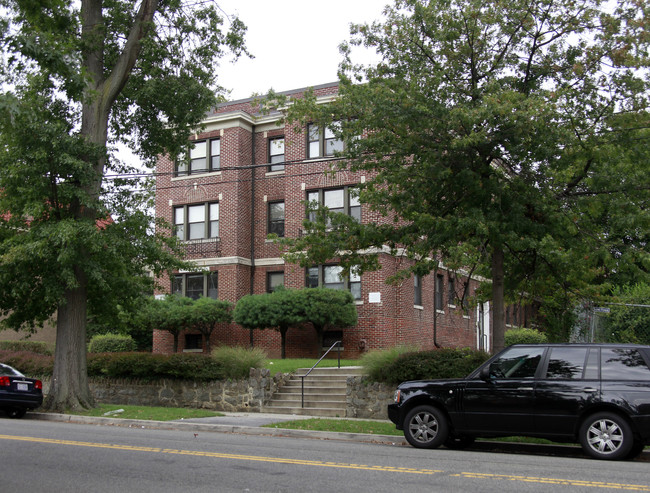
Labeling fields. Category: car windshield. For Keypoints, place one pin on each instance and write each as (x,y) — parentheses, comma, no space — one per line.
(8,371)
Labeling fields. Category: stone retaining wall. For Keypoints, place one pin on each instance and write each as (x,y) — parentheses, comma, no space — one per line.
(364,400)
(368,399)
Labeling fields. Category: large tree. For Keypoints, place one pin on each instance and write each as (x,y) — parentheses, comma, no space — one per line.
(506,135)
(79,78)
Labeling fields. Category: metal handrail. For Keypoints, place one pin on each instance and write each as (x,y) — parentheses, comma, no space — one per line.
(302,377)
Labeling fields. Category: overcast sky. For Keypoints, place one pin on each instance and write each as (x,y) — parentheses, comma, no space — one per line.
(295,43)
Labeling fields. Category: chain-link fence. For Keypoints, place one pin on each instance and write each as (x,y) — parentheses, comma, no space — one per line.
(613,322)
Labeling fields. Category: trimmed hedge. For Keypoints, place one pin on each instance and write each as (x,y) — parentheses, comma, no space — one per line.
(426,365)
(147,366)
(111,343)
(29,346)
(30,364)
(524,336)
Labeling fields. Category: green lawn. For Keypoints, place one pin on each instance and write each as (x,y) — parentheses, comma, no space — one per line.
(340,425)
(292,364)
(147,413)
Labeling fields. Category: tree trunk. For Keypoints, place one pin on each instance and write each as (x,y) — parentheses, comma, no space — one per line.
(69,388)
(283,344)
(498,305)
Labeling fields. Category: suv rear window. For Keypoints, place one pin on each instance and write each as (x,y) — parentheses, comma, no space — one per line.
(623,364)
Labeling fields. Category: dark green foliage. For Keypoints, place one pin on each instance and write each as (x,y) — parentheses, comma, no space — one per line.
(438,363)
(111,343)
(629,321)
(524,336)
(146,366)
(288,308)
(30,346)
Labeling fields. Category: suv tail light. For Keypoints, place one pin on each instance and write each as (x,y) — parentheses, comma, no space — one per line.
(5,382)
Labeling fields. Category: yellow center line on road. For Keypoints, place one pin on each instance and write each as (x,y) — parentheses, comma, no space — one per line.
(340,465)
(556,481)
(277,460)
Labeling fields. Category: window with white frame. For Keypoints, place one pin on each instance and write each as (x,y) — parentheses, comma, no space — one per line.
(276,218)
(202,156)
(417,290)
(276,154)
(331,276)
(322,141)
(196,284)
(440,283)
(197,221)
(451,291)
(343,200)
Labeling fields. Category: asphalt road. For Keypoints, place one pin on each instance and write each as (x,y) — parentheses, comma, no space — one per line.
(52,456)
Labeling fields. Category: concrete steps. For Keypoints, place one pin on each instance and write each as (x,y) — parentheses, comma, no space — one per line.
(325,393)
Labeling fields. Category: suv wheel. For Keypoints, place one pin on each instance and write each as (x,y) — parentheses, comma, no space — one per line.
(426,427)
(606,436)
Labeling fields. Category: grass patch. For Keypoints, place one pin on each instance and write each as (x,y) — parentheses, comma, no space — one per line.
(339,425)
(292,364)
(147,413)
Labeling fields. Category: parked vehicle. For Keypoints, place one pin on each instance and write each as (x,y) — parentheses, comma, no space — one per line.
(18,393)
(597,395)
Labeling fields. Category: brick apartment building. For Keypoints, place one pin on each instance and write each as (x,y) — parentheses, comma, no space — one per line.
(246,177)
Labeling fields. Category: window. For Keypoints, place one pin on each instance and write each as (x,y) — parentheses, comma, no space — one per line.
(517,363)
(623,364)
(342,200)
(276,218)
(440,282)
(331,276)
(276,154)
(274,280)
(197,221)
(193,341)
(451,291)
(323,142)
(566,363)
(203,156)
(195,285)
(417,290)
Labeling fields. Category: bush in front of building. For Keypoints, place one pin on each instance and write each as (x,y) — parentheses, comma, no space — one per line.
(31,364)
(524,336)
(147,366)
(237,361)
(434,364)
(29,346)
(111,343)
(375,363)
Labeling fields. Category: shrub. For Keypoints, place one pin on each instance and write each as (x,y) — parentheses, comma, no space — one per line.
(28,346)
(524,336)
(237,361)
(438,363)
(376,362)
(111,343)
(147,366)
(29,363)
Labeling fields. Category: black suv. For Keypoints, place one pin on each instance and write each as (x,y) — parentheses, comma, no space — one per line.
(594,394)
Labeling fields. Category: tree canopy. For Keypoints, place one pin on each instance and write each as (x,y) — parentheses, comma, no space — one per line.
(77,80)
(283,309)
(507,137)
